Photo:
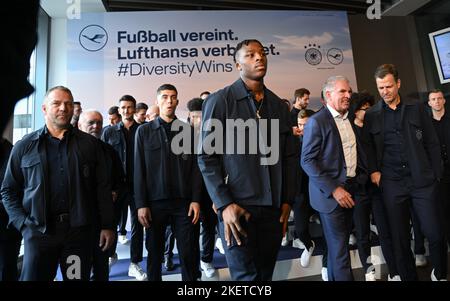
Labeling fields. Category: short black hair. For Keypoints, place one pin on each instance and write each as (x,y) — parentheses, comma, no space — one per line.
(77,103)
(244,43)
(195,104)
(128,98)
(166,87)
(205,92)
(113,110)
(358,99)
(386,69)
(141,106)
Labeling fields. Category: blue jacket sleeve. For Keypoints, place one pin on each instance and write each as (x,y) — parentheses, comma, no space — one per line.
(311,158)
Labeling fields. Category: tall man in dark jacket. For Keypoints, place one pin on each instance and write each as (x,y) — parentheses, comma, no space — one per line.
(56,184)
(121,137)
(405,162)
(249,165)
(168,186)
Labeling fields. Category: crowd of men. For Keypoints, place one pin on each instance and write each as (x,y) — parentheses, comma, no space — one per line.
(67,187)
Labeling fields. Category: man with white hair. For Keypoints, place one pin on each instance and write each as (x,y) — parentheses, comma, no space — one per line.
(333,159)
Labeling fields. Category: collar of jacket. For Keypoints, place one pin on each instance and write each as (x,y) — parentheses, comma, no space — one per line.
(156,123)
(44,131)
(380,104)
(239,90)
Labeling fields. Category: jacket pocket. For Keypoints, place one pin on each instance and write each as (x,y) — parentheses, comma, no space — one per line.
(31,169)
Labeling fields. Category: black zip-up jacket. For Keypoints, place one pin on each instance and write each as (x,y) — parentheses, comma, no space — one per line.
(151,167)
(25,187)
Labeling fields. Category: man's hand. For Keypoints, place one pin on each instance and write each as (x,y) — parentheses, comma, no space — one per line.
(285,211)
(296,131)
(231,215)
(145,217)
(375,177)
(106,239)
(343,197)
(194,208)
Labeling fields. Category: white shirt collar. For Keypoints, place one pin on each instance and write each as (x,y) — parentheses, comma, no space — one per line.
(336,114)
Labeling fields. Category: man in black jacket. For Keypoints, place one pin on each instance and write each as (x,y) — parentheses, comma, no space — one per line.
(56,184)
(121,137)
(168,186)
(441,123)
(91,122)
(10,238)
(405,162)
(252,188)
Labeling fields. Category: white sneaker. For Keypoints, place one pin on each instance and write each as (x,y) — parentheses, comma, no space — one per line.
(421,260)
(137,272)
(306,255)
(395,278)
(371,276)
(297,243)
(284,241)
(208,268)
(352,239)
(113,260)
(433,277)
(219,246)
(324,274)
(123,239)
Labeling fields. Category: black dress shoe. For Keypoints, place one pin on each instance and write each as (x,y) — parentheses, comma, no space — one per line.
(168,264)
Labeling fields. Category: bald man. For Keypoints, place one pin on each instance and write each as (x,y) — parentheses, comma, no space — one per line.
(152,113)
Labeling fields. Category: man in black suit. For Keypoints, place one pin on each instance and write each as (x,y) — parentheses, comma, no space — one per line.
(405,162)
(55,186)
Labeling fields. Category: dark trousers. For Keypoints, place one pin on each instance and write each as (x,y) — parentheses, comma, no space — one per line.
(209,222)
(122,211)
(398,197)
(175,212)
(9,249)
(444,192)
(384,233)
(255,258)
(100,260)
(137,232)
(361,221)
(336,228)
(302,212)
(419,238)
(169,241)
(71,248)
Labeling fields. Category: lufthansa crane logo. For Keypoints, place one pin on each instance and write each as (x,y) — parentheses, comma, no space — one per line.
(93,37)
